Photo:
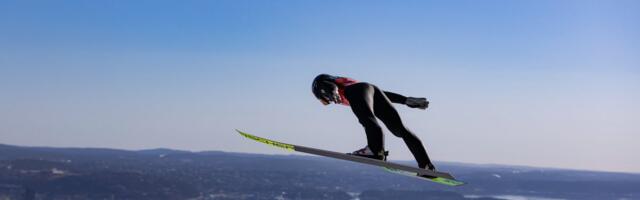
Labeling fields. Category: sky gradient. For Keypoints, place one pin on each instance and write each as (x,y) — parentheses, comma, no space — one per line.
(540,83)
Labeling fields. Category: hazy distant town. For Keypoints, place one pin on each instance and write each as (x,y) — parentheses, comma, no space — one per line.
(76,173)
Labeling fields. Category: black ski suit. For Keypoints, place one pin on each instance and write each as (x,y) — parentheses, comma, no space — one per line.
(368,102)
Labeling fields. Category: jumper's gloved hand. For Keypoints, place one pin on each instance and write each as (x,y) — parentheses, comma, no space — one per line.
(414,102)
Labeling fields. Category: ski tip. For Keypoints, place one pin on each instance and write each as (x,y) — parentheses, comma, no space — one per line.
(241,133)
(267,141)
(245,134)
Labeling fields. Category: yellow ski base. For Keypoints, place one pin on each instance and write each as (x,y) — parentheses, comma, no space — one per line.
(437,177)
(267,141)
(440,180)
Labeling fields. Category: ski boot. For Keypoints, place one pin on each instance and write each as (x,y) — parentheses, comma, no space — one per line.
(429,167)
(366,152)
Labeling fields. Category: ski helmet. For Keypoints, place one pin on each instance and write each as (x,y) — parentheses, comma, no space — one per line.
(325,89)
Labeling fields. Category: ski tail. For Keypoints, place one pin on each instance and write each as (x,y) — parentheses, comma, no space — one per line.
(445,181)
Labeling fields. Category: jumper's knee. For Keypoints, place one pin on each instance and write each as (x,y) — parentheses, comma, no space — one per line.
(373,128)
(400,131)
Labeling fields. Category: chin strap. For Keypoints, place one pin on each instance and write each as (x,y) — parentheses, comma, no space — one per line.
(335,97)
(414,102)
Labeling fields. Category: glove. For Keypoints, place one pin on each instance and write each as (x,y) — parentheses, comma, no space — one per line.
(413,102)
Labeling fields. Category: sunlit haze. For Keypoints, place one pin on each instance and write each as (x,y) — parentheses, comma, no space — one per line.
(536,83)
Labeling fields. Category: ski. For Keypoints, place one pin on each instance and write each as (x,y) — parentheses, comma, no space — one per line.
(434,176)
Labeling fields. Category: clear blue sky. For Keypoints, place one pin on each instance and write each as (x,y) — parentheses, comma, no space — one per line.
(541,83)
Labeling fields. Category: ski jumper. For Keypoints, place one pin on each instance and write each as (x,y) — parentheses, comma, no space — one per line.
(368,102)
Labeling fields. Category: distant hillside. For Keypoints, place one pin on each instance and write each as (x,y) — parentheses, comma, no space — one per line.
(88,173)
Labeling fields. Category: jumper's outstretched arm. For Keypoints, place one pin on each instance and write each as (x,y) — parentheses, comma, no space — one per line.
(396,98)
(412,102)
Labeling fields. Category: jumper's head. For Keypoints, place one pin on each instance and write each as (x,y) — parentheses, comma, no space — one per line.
(325,89)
